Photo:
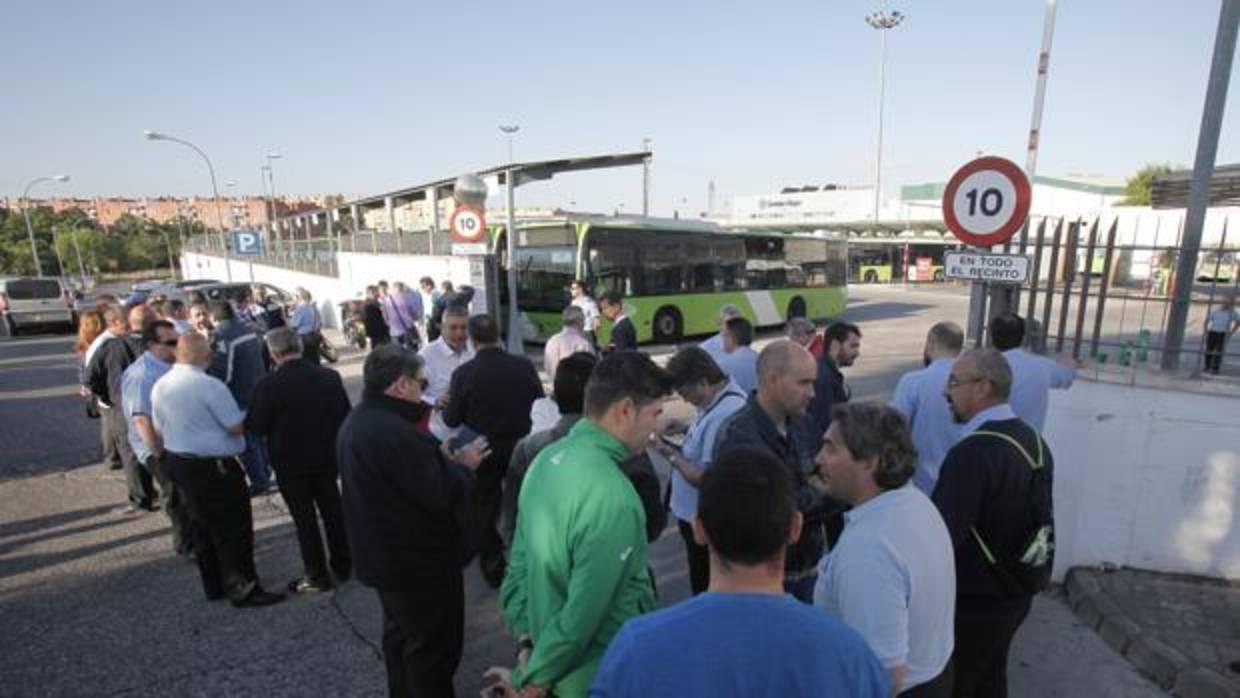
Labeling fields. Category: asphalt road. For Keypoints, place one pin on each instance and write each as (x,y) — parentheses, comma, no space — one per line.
(93,603)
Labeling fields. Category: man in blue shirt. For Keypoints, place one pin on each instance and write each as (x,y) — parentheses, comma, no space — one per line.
(739,361)
(919,397)
(744,636)
(308,324)
(160,339)
(714,345)
(701,383)
(1033,376)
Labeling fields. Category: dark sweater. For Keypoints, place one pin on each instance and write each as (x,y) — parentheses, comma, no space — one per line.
(623,336)
(107,367)
(405,505)
(829,390)
(987,483)
(299,408)
(492,394)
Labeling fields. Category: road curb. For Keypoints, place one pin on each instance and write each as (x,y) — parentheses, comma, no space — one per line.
(1161,663)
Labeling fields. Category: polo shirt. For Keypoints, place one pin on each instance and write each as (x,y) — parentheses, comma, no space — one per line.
(192,412)
(305,319)
(136,385)
(892,578)
(919,397)
(1221,319)
(699,446)
(1033,376)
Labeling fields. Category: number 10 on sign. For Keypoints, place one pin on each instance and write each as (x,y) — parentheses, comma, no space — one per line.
(986,201)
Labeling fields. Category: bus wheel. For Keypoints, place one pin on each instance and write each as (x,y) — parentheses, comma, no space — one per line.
(796,308)
(871,277)
(938,276)
(667,326)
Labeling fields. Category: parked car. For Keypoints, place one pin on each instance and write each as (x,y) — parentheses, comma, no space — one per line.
(34,301)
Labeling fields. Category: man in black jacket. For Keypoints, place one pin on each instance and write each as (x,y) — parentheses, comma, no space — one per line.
(405,507)
(104,375)
(623,333)
(372,319)
(842,342)
(774,421)
(994,489)
(492,395)
(299,409)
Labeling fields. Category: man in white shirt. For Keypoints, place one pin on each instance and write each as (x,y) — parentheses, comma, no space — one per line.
(589,309)
(738,360)
(566,342)
(1221,323)
(714,345)
(919,397)
(201,429)
(443,356)
(892,574)
(1033,376)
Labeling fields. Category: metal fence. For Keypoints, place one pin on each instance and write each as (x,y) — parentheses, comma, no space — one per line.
(1101,287)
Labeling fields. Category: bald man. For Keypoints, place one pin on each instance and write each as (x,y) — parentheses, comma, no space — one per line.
(775,421)
(202,430)
(104,374)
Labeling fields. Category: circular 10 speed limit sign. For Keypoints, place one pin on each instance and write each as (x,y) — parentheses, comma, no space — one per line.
(986,201)
(467,224)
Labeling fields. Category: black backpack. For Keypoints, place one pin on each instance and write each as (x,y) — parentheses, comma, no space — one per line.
(1029,572)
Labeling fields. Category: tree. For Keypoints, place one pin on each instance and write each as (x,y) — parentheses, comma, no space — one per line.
(1137,191)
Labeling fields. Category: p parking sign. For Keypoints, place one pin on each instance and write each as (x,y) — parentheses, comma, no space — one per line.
(247,243)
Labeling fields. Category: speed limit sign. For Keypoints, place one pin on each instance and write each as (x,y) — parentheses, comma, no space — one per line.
(468,225)
(986,201)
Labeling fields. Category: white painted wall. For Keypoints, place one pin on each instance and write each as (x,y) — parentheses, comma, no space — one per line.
(356,271)
(1147,478)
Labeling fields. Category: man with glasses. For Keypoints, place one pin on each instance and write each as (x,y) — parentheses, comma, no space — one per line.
(137,384)
(994,492)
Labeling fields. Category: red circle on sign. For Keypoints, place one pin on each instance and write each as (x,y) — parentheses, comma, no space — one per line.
(1003,233)
(461,235)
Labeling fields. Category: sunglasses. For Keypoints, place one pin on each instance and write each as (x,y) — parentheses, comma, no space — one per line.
(168,343)
(954,382)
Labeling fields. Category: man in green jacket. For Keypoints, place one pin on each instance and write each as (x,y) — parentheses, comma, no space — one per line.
(578,564)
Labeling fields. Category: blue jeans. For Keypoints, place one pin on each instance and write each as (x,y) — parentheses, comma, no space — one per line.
(257,465)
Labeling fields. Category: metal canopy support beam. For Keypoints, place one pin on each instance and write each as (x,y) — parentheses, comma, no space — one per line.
(1203,167)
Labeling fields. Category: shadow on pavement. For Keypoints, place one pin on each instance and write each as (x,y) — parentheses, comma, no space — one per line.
(40,523)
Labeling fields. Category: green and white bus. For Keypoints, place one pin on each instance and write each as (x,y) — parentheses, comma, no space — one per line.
(674,274)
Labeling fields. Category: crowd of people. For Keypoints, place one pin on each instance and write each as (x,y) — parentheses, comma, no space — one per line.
(833,547)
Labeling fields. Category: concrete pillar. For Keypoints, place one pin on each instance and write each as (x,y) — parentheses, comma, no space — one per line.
(391,214)
(432,199)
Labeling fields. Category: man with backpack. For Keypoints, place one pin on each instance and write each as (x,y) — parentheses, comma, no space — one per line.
(994,492)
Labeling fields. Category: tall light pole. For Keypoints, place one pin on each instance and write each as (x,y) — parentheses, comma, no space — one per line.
(509,131)
(646,178)
(882,21)
(34,249)
(215,190)
(271,180)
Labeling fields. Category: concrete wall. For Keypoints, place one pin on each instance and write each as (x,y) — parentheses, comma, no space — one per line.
(356,272)
(1146,477)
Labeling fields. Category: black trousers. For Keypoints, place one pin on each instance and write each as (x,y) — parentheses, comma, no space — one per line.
(137,480)
(487,489)
(173,502)
(984,631)
(423,636)
(311,496)
(938,687)
(310,347)
(221,523)
(699,559)
(1216,342)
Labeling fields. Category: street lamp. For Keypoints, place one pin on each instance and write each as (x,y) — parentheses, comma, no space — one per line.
(509,131)
(882,21)
(215,190)
(34,249)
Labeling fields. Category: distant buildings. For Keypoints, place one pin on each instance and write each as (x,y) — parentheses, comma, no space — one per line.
(235,211)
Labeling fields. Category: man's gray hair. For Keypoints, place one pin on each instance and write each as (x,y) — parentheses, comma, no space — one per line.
(283,341)
(574,316)
(947,335)
(994,368)
(799,327)
(729,310)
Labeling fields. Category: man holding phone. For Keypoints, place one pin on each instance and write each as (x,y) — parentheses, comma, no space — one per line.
(502,416)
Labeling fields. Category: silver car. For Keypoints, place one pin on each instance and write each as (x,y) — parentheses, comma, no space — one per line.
(33,301)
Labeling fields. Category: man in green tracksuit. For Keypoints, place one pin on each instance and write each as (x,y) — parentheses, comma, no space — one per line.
(578,563)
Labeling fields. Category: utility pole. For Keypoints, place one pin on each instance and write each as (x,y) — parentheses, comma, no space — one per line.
(646,177)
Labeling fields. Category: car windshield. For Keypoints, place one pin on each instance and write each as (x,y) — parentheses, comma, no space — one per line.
(32,289)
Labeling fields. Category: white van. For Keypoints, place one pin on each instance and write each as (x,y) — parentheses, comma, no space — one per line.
(29,301)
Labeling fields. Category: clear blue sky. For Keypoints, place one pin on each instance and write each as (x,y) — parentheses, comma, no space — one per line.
(365,97)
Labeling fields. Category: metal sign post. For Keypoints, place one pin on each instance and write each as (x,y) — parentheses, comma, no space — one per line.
(984,204)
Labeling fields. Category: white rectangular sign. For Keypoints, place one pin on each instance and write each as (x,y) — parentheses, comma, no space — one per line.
(984,266)
(469,248)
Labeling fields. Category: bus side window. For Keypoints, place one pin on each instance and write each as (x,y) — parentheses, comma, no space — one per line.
(662,264)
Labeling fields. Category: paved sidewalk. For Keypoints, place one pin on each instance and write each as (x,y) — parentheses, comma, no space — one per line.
(1181,631)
